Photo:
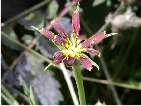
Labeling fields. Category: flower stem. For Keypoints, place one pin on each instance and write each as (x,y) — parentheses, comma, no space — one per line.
(69,83)
(79,82)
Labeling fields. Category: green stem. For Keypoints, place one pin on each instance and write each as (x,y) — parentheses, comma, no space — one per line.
(69,83)
(79,82)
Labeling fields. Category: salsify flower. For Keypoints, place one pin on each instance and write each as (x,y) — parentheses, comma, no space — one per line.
(71,48)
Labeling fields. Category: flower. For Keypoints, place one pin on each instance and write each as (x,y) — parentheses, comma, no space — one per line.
(71,48)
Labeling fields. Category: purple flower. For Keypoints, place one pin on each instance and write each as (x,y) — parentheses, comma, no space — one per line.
(71,47)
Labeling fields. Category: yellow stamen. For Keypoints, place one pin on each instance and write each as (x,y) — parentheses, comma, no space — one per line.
(73,48)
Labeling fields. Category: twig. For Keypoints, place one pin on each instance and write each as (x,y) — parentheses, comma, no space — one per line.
(118,10)
(126,54)
(25,12)
(123,85)
(21,55)
(107,74)
(26,48)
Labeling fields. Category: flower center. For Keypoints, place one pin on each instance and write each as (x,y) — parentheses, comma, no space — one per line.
(73,48)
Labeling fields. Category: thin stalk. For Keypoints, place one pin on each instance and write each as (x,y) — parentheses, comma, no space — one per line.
(79,82)
(69,83)
(22,14)
(118,84)
(26,48)
(126,54)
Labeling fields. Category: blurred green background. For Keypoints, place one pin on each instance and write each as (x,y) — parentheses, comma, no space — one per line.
(22,66)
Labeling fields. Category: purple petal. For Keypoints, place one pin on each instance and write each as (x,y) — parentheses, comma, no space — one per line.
(98,37)
(86,43)
(47,33)
(58,57)
(76,22)
(70,60)
(59,29)
(95,39)
(59,40)
(93,52)
(86,63)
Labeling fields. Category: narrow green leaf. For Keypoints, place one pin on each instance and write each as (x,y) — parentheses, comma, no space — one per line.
(48,66)
(8,97)
(8,100)
(32,98)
